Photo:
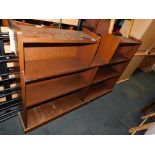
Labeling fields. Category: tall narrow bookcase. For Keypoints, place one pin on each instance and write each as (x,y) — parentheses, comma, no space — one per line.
(62,70)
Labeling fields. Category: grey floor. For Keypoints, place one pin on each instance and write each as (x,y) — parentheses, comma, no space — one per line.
(112,114)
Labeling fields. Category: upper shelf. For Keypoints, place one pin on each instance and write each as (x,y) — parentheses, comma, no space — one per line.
(32,34)
(39,69)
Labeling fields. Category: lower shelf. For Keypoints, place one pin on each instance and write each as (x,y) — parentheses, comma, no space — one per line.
(102,88)
(44,113)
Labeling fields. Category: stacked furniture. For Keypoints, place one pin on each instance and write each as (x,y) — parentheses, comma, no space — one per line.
(62,70)
(10,100)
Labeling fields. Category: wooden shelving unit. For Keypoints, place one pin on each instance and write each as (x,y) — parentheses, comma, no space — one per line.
(62,70)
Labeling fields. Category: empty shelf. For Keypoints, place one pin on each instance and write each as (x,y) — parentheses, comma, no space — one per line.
(46,112)
(118,59)
(100,89)
(104,74)
(97,91)
(50,89)
(45,68)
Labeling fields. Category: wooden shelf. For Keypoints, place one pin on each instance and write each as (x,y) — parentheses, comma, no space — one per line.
(99,89)
(50,89)
(128,40)
(39,69)
(118,59)
(46,112)
(104,74)
(96,91)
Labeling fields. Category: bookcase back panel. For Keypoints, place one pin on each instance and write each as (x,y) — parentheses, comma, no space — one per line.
(42,53)
(87,53)
(111,82)
(101,88)
(120,67)
(104,73)
(89,74)
(127,51)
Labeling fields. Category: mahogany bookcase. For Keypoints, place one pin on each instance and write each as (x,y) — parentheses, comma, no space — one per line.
(62,70)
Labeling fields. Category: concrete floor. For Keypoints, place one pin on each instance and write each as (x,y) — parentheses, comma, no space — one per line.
(112,114)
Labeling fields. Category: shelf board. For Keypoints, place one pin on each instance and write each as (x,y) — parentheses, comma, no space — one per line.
(97,91)
(128,40)
(118,59)
(50,89)
(39,69)
(44,113)
(104,74)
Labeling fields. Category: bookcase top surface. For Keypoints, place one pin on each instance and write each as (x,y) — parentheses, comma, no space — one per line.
(41,34)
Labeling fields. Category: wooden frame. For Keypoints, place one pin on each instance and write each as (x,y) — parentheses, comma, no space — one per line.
(74,63)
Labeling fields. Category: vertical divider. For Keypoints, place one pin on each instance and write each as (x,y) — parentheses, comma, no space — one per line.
(89,77)
(107,47)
